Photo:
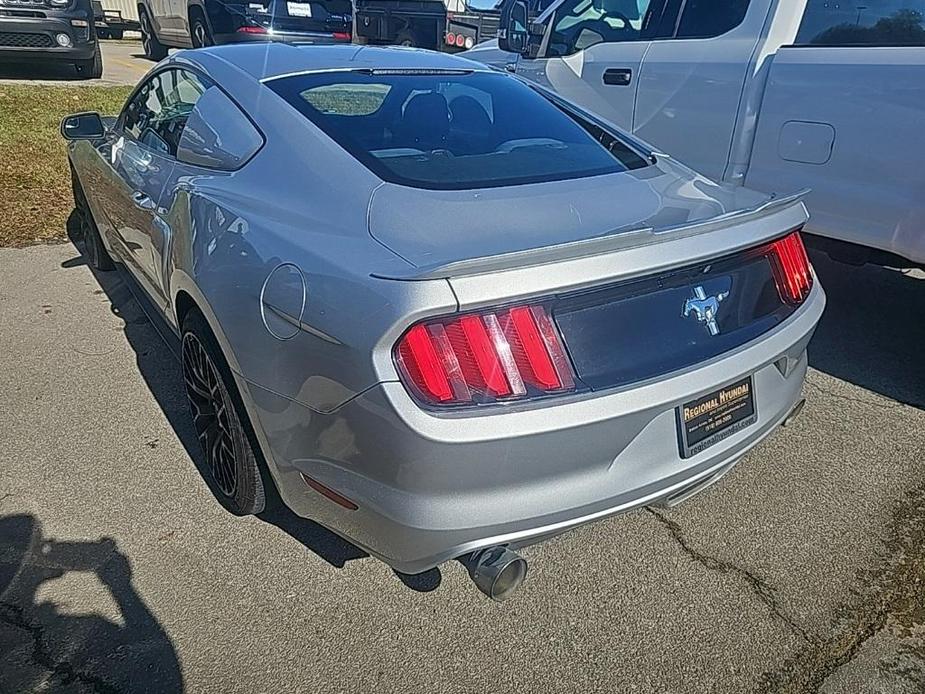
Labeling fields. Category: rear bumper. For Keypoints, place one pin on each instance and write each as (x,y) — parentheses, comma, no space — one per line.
(17,30)
(430,488)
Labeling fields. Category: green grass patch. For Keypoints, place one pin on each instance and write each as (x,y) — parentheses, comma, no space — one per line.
(35,186)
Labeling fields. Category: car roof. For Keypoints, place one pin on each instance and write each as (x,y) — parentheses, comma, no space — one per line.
(265,61)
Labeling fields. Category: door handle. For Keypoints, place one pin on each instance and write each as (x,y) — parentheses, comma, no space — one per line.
(618,76)
(142,200)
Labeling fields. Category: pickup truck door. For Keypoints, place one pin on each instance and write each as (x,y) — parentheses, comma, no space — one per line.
(691,85)
(847,122)
(592,51)
(164,18)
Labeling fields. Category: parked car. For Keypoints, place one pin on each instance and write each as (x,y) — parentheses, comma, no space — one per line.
(445,313)
(777,95)
(199,23)
(50,31)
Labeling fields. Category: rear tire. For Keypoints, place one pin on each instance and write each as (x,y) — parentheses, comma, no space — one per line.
(407,37)
(200,36)
(153,48)
(94,251)
(91,69)
(231,469)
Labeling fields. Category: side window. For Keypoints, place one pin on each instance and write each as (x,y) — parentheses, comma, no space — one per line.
(157,114)
(580,24)
(704,19)
(875,23)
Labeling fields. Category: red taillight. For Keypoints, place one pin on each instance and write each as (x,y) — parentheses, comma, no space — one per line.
(792,270)
(450,38)
(251,29)
(342,36)
(485,357)
(460,40)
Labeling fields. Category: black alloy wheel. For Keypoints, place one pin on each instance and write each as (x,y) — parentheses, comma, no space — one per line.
(200,34)
(230,465)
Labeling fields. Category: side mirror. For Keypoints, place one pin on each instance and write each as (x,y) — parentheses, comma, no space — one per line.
(83,126)
(513,36)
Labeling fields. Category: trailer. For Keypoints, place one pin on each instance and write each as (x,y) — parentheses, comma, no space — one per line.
(419,23)
(115,18)
(469,22)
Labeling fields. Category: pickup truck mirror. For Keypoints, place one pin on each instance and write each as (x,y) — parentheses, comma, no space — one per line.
(83,126)
(514,35)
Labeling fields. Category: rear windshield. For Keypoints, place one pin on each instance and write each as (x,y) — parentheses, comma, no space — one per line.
(454,130)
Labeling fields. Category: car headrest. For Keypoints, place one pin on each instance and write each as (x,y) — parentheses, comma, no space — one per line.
(469,115)
(427,116)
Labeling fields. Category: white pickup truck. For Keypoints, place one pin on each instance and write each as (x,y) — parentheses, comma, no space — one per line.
(778,95)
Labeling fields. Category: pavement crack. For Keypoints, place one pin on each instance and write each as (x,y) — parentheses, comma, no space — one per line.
(12,615)
(888,596)
(762,590)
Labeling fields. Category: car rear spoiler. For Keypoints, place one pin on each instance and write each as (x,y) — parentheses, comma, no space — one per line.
(618,239)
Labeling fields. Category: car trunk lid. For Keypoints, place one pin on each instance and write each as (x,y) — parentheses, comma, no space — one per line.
(433,228)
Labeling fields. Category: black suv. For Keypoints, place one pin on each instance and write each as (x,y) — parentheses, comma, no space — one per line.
(198,23)
(41,31)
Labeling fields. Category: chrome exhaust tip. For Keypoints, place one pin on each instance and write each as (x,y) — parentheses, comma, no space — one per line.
(794,413)
(497,571)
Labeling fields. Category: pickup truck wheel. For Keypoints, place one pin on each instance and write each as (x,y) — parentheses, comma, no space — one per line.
(92,68)
(153,48)
(199,32)
(116,34)
(94,251)
(231,469)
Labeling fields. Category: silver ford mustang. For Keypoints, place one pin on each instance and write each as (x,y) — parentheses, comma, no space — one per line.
(447,314)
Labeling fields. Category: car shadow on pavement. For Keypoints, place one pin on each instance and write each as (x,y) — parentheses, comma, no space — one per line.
(160,368)
(872,333)
(45,646)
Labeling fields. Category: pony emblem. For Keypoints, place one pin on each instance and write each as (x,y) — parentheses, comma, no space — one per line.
(705,308)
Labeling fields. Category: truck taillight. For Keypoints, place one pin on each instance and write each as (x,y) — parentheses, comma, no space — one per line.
(792,271)
(502,355)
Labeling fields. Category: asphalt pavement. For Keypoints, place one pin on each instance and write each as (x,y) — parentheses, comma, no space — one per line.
(123,63)
(803,570)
